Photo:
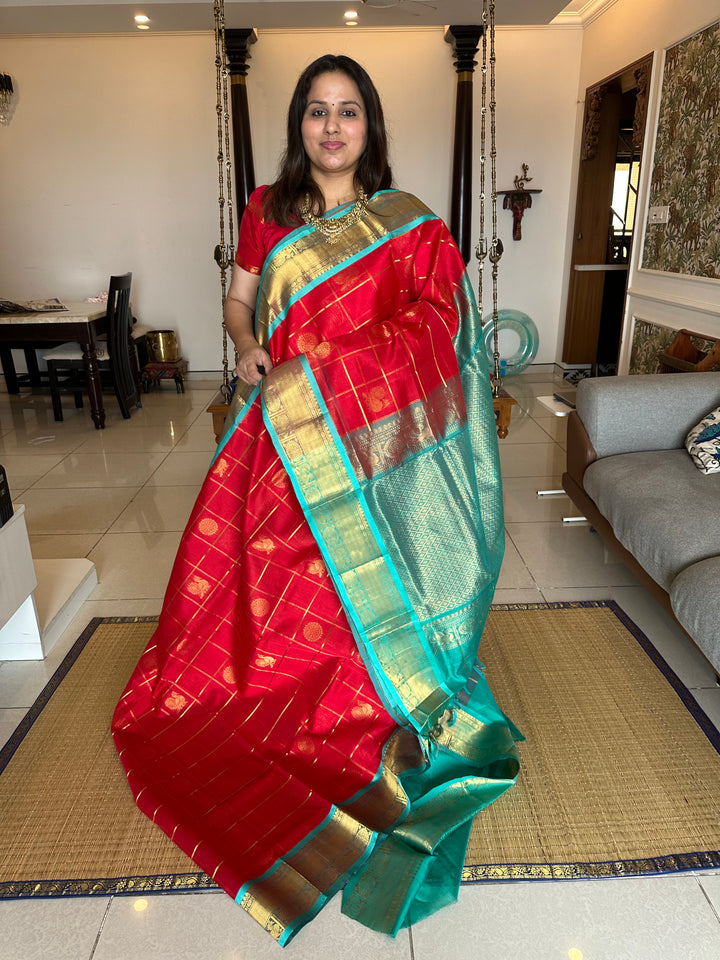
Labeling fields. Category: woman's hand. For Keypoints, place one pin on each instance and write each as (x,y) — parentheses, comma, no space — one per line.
(239,324)
(253,362)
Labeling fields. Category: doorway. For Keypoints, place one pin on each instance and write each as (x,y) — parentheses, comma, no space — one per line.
(613,137)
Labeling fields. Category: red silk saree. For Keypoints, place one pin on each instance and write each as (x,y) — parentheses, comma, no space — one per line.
(310,714)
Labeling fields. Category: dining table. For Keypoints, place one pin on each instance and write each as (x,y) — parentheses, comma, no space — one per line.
(80,322)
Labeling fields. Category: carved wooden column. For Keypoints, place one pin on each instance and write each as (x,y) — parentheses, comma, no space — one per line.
(237,53)
(465,41)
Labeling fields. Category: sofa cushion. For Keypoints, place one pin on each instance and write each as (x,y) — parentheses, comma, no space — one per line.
(695,599)
(663,510)
(648,412)
(703,443)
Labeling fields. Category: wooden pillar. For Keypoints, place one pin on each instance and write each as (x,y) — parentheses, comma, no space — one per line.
(237,53)
(465,42)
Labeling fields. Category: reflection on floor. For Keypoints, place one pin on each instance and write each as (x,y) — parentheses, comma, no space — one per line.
(121,497)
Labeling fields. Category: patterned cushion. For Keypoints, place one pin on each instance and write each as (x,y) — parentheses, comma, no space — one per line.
(703,443)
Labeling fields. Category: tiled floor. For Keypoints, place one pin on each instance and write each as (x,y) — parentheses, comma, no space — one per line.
(121,498)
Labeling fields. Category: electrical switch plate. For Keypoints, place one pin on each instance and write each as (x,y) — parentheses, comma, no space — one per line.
(659,214)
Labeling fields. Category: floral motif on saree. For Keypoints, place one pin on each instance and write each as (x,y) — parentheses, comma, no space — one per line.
(311,714)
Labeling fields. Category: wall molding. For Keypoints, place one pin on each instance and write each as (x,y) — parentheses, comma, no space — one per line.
(682,303)
(583,17)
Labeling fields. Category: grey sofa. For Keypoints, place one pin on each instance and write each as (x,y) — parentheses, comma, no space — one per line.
(630,475)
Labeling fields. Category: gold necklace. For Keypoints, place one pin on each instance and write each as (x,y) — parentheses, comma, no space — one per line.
(333,227)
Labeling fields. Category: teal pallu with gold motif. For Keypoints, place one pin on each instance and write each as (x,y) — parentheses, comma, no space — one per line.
(336,574)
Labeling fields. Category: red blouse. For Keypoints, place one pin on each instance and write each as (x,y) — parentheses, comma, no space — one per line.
(257,235)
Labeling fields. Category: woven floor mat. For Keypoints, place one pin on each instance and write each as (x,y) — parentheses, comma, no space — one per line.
(621,770)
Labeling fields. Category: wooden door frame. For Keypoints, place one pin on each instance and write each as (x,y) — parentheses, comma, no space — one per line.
(593,200)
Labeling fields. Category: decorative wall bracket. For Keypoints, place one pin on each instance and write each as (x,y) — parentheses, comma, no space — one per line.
(8,98)
(519,200)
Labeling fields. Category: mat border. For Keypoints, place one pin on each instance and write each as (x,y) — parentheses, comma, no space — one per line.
(475,873)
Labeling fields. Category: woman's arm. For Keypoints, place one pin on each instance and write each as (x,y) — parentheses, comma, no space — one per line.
(239,312)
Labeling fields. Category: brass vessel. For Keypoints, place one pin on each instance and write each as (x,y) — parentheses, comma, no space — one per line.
(163,345)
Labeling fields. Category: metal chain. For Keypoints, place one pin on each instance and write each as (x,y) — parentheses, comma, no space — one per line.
(481,248)
(224,253)
(496,247)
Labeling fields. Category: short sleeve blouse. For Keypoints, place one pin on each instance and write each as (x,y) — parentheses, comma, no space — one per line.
(257,235)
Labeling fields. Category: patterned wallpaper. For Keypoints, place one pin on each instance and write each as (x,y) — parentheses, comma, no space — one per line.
(650,339)
(686,173)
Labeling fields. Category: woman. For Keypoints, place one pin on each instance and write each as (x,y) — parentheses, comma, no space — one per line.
(310,713)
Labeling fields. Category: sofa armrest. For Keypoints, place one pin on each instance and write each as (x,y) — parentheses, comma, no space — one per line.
(645,412)
(580,452)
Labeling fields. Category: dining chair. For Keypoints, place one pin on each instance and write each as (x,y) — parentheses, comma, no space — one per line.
(66,367)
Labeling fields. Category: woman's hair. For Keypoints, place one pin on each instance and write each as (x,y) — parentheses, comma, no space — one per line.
(283,198)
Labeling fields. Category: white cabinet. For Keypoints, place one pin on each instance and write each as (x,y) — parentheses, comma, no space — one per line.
(37,600)
(19,628)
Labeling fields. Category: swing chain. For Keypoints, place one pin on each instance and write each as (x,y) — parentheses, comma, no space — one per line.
(224,251)
(492,250)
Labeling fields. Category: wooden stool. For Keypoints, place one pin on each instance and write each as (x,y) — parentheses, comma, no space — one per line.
(502,405)
(157,370)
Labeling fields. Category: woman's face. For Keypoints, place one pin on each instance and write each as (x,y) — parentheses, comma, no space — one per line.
(334,126)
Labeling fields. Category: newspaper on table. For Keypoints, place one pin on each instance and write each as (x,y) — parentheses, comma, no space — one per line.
(32,306)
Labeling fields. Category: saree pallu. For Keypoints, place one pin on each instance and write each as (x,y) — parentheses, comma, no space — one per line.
(311,714)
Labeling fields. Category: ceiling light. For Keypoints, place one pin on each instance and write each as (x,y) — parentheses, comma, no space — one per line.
(350,14)
(351,23)
(142,26)
(141,18)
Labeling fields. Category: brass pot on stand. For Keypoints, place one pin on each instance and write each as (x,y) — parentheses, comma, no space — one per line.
(163,345)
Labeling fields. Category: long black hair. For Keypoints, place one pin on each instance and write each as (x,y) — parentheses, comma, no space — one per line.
(373,171)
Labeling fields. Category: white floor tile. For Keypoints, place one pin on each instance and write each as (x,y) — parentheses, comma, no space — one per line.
(710,885)
(156,438)
(101,470)
(22,681)
(75,510)
(523,504)
(514,573)
(24,469)
(9,719)
(623,919)
(34,441)
(134,565)
(566,555)
(556,428)
(182,468)
(532,460)
(157,508)
(51,546)
(709,700)
(517,595)
(179,416)
(199,437)
(62,929)
(523,429)
(192,926)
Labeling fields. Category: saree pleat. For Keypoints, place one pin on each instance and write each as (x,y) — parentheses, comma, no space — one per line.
(310,713)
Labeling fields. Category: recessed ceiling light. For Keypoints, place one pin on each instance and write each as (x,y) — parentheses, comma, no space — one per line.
(350,14)
(351,23)
(141,18)
(142,26)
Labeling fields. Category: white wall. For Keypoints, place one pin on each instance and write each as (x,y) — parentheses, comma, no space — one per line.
(109,163)
(627,31)
(536,119)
